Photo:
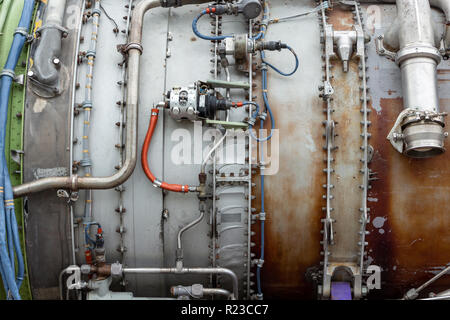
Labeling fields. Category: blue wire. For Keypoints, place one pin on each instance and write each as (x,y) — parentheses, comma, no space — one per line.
(201,36)
(297,64)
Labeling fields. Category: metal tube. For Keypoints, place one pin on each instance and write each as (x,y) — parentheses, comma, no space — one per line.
(216,292)
(434,279)
(187,227)
(61,274)
(437,298)
(223,271)
(75,182)
(421,124)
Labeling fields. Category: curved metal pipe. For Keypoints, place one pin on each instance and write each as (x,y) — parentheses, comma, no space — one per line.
(187,227)
(419,130)
(216,292)
(443,5)
(76,182)
(223,271)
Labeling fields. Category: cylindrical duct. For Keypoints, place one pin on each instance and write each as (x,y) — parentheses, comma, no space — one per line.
(423,125)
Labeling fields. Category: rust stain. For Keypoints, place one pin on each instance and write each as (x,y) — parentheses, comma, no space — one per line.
(342,20)
(412,195)
(293,220)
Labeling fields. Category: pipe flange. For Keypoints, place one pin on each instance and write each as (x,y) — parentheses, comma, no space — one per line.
(418,51)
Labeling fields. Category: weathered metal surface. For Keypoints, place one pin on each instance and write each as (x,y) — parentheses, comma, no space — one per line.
(293,196)
(409,218)
(46,141)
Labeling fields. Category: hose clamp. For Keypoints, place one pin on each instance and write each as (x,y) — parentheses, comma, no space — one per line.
(91,53)
(260,263)
(262,216)
(86,162)
(263,116)
(86,104)
(132,45)
(64,31)
(22,31)
(157,183)
(97,11)
(8,73)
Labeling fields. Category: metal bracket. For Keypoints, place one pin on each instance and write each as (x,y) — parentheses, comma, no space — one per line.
(382,51)
(71,197)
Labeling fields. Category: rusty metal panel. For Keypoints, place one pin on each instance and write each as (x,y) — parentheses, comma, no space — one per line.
(409,219)
(293,196)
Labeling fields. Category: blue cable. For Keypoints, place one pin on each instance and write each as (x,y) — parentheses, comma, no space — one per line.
(201,36)
(7,212)
(297,64)
(267,106)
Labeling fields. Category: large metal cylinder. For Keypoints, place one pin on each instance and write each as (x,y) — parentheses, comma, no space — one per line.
(422,128)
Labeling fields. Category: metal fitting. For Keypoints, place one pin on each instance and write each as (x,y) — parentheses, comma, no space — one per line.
(116,269)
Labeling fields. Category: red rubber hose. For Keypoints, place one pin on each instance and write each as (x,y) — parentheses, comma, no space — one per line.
(144,157)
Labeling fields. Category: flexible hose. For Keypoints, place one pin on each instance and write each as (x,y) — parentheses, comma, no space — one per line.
(202,36)
(6,193)
(144,159)
(297,64)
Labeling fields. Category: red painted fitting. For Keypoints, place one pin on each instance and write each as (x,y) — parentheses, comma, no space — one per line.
(88,256)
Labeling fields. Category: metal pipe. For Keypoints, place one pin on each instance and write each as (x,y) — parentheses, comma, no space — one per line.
(178,3)
(420,128)
(176,271)
(216,292)
(437,298)
(443,5)
(414,293)
(75,182)
(187,227)
(86,162)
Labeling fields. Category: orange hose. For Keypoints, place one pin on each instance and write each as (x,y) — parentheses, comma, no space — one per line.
(144,157)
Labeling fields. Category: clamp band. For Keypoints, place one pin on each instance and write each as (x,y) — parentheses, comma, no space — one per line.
(8,73)
(134,45)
